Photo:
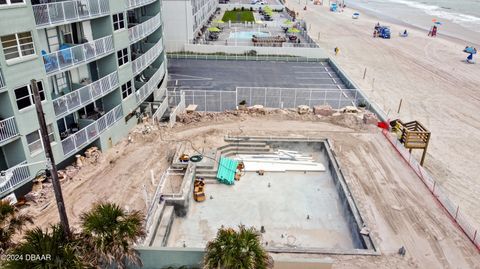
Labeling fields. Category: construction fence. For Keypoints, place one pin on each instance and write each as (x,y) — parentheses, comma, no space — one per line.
(437,191)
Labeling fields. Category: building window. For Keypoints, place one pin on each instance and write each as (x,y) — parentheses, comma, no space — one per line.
(127,89)
(17,45)
(66,31)
(118,21)
(10,2)
(24,95)
(34,141)
(122,56)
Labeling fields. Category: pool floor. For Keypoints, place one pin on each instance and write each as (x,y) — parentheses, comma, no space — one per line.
(278,201)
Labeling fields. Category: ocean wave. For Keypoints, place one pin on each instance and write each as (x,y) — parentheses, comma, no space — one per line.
(440,12)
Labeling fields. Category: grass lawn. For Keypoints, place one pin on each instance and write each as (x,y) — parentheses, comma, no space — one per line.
(238,16)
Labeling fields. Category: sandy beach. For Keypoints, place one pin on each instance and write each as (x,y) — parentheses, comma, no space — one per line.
(429,74)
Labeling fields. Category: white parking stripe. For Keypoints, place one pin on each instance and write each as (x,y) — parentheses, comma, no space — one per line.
(311,72)
(309,67)
(315,78)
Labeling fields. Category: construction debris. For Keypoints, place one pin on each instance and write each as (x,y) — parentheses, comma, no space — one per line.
(303,109)
(350,109)
(370,118)
(198,190)
(323,110)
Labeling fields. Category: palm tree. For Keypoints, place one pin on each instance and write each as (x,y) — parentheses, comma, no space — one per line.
(10,223)
(109,233)
(240,249)
(46,249)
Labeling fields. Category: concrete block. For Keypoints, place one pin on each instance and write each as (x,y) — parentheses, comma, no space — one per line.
(323,110)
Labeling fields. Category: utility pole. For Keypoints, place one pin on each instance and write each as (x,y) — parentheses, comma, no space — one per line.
(50,160)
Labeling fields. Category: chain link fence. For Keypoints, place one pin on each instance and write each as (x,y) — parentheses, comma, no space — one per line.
(216,101)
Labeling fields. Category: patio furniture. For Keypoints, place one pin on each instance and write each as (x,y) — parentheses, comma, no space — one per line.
(268,41)
(49,62)
(65,54)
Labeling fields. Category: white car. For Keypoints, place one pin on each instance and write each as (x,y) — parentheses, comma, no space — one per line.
(355,15)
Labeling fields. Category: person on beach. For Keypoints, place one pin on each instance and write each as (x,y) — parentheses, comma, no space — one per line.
(337,50)
(434,31)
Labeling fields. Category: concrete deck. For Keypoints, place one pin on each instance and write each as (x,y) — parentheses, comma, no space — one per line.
(281,208)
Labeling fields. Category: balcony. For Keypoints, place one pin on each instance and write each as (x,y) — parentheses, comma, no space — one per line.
(57,13)
(2,82)
(72,101)
(138,3)
(147,58)
(65,59)
(80,139)
(150,86)
(144,29)
(8,129)
(20,176)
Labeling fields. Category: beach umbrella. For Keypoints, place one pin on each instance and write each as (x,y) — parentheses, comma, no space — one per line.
(293,30)
(267,8)
(218,21)
(259,22)
(214,30)
(288,22)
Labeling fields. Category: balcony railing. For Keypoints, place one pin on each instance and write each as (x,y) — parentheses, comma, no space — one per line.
(69,11)
(144,29)
(65,59)
(77,141)
(150,86)
(147,58)
(2,82)
(20,175)
(8,129)
(85,95)
(137,3)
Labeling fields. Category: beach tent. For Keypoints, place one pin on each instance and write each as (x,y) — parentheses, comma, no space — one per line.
(214,30)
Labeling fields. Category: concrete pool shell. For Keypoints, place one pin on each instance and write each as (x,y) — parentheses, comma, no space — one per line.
(278,201)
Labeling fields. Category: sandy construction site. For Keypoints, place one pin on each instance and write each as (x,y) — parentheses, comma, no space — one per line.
(437,87)
(397,208)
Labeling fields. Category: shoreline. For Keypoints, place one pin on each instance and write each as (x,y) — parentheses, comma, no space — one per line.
(398,22)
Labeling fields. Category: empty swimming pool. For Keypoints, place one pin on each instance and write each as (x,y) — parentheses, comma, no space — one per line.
(248,34)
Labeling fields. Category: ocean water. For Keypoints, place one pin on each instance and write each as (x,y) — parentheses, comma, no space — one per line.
(459,18)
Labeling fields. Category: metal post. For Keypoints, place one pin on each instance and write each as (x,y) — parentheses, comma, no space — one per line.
(57,188)
(400,105)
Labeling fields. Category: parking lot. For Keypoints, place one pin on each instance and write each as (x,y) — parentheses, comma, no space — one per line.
(187,74)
